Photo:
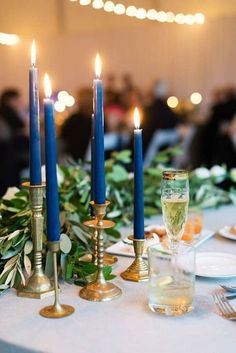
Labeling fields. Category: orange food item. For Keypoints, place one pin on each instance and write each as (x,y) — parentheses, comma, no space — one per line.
(188,231)
(187,237)
(197,225)
(160,231)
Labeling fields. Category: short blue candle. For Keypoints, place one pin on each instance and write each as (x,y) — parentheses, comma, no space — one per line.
(52,199)
(98,153)
(138,186)
(35,153)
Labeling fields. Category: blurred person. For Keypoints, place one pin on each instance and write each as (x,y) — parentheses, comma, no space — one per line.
(113,110)
(76,130)
(159,123)
(13,139)
(111,93)
(213,142)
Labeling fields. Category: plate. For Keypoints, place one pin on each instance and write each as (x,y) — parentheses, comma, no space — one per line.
(224,232)
(215,265)
(125,249)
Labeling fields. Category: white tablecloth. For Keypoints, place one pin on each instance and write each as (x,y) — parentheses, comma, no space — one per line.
(126,324)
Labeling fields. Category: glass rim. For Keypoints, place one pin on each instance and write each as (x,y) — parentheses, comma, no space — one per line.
(175,174)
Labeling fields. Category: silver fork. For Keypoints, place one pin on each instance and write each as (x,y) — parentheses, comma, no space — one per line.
(224,306)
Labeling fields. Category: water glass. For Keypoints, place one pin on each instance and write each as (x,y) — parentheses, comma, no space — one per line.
(171,280)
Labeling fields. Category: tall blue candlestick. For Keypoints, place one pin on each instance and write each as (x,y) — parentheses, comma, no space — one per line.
(138,186)
(52,199)
(92,159)
(98,156)
(35,153)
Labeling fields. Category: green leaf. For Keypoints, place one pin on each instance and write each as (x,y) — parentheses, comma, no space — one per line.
(65,243)
(114,214)
(69,207)
(118,174)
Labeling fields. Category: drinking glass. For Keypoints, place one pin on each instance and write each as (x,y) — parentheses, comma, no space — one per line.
(171,283)
(174,199)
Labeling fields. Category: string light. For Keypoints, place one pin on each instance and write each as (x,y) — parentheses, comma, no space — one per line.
(9,39)
(152,14)
(109,6)
(142,13)
(98,4)
(84,2)
(131,11)
(119,9)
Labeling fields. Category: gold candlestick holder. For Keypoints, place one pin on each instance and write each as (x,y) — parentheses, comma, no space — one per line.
(138,270)
(108,260)
(100,290)
(38,285)
(57,310)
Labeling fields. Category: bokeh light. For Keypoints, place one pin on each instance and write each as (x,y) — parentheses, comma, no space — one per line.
(59,106)
(172,102)
(196,98)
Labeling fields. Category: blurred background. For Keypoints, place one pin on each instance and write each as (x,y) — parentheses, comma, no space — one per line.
(173,59)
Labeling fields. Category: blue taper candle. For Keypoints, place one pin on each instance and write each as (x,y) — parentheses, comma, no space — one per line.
(138,180)
(92,159)
(98,152)
(52,198)
(35,152)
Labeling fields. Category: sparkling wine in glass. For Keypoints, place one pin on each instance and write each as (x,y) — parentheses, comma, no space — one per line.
(175,199)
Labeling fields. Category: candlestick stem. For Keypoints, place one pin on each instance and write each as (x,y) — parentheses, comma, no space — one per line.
(138,270)
(95,247)
(38,285)
(57,310)
(100,290)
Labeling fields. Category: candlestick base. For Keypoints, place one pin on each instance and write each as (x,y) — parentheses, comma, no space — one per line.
(38,287)
(56,311)
(100,290)
(138,270)
(109,260)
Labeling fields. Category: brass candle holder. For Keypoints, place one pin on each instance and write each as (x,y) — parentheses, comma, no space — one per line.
(57,310)
(100,290)
(38,285)
(138,270)
(108,260)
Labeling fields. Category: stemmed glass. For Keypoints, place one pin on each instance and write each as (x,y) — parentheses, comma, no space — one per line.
(175,199)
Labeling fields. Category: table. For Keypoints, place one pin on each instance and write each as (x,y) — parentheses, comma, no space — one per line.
(126,324)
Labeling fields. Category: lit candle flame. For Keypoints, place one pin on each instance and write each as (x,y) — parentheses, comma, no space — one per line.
(136,118)
(47,86)
(33,53)
(98,66)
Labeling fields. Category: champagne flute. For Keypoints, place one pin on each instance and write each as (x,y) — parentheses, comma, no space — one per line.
(175,199)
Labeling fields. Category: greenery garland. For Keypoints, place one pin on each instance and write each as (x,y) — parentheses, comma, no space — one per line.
(16,246)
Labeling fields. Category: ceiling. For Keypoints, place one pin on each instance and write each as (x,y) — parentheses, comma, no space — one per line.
(58,17)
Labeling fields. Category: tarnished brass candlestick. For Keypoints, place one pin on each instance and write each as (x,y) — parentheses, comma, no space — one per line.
(57,310)
(138,270)
(100,290)
(38,285)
